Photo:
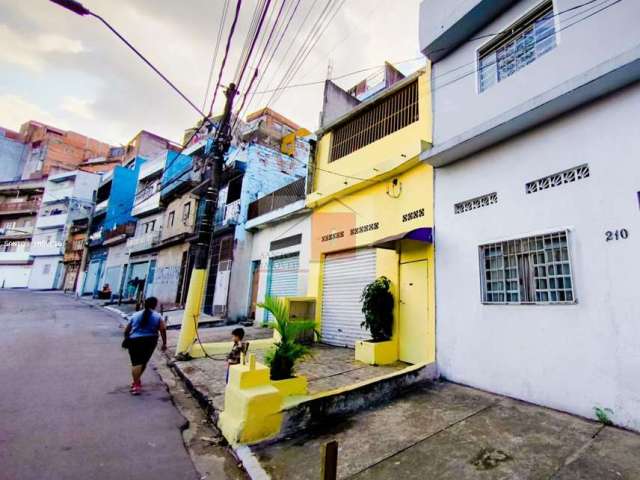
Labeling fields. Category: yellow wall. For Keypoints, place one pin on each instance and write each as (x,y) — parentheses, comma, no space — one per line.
(342,204)
(386,156)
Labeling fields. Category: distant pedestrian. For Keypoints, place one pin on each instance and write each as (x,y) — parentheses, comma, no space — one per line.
(141,339)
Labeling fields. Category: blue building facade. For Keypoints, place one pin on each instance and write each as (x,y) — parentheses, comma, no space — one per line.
(253,171)
(112,221)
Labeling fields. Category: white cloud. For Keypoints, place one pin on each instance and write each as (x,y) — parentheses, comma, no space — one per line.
(126,96)
(15,110)
(77,106)
(49,43)
(31,51)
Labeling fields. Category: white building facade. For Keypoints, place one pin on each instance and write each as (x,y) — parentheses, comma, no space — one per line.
(67,196)
(280,243)
(537,199)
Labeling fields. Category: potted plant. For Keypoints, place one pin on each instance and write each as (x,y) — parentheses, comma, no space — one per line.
(377,307)
(287,350)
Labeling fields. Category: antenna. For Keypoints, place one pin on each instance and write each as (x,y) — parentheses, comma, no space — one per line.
(329,69)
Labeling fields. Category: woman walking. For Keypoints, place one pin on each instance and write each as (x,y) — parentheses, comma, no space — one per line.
(141,338)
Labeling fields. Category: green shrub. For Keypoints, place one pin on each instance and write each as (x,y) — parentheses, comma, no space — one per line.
(377,306)
(282,357)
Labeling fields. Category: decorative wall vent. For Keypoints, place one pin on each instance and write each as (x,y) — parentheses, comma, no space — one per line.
(478,202)
(567,176)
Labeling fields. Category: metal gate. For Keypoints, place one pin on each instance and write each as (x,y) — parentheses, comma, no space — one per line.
(345,275)
(283,278)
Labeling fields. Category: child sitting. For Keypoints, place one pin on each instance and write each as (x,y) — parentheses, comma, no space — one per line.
(239,347)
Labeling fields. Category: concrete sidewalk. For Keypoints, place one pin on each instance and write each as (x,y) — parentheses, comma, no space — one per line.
(447,431)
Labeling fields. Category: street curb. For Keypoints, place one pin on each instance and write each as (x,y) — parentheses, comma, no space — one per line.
(117,312)
(250,463)
(202,398)
(242,453)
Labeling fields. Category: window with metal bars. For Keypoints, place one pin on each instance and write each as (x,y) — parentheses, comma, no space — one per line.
(518,46)
(385,117)
(527,270)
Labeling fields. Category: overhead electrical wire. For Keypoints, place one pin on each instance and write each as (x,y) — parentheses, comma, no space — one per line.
(437,87)
(296,35)
(253,42)
(257,11)
(313,42)
(232,30)
(207,118)
(258,69)
(307,42)
(262,76)
(223,19)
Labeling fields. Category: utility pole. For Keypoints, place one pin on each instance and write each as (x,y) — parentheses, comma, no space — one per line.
(205,225)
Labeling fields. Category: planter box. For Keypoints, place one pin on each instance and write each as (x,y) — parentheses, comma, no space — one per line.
(376,353)
(291,386)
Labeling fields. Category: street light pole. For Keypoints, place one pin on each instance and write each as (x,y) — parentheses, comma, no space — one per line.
(215,163)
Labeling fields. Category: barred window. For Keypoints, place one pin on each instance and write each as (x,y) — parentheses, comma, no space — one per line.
(518,46)
(381,119)
(528,270)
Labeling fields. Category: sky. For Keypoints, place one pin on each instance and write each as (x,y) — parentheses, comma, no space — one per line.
(73,73)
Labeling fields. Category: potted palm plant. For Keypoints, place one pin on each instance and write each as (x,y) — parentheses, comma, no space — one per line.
(287,350)
(377,307)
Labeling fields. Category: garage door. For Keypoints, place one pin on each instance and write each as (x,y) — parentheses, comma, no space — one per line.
(91,280)
(283,277)
(345,275)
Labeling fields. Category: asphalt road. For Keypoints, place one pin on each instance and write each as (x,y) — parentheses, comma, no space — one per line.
(65,409)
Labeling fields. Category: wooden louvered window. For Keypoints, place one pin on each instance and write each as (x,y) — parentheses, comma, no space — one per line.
(389,115)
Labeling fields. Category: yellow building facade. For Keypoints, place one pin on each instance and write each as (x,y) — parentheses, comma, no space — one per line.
(372,202)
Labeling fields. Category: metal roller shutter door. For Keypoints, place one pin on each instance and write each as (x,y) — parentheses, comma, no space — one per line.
(283,277)
(345,275)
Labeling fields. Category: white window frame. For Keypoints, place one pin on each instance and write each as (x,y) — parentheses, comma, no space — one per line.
(507,297)
(491,46)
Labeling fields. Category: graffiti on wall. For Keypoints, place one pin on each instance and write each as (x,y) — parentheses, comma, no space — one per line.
(167,275)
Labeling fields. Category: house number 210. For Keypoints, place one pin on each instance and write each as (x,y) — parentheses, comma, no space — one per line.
(616,234)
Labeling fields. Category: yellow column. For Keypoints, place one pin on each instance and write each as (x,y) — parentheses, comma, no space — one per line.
(191,311)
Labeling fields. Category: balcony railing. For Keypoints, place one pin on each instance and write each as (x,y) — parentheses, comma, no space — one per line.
(144,242)
(57,194)
(280,198)
(147,192)
(101,207)
(72,256)
(146,200)
(15,207)
(14,257)
(52,221)
(125,229)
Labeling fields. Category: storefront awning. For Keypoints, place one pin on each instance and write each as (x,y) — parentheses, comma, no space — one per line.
(424,234)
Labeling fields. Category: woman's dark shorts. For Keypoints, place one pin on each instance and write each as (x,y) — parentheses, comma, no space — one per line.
(141,349)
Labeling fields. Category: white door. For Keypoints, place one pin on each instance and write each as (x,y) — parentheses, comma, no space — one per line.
(283,277)
(345,275)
